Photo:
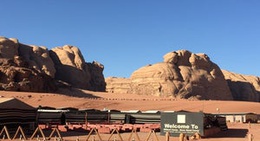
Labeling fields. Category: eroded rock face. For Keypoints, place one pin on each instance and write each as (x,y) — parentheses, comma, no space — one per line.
(8,47)
(38,58)
(35,68)
(71,68)
(97,80)
(17,77)
(118,85)
(182,75)
(35,57)
(23,69)
(243,87)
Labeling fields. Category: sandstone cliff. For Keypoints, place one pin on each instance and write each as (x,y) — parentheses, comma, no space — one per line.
(118,85)
(243,87)
(22,67)
(72,68)
(35,68)
(182,74)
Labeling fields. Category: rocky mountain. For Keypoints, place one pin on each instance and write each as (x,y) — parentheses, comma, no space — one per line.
(243,87)
(35,68)
(183,74)
(71,68)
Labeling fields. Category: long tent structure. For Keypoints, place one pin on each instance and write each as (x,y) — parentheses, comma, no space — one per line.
(242,117)
(14,113)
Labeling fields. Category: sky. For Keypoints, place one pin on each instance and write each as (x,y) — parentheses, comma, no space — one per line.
(125,35)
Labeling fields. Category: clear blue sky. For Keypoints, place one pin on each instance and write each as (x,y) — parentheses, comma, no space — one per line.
(125,35)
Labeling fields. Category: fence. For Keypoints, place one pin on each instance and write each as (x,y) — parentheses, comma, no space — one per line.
(39,134)
(94,135)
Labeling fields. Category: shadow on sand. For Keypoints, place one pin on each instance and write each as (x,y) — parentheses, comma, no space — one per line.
(75,92)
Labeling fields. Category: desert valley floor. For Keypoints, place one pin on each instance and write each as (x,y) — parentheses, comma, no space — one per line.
(83,99)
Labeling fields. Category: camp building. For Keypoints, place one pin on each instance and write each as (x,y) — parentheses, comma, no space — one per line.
(242,117)
(15,113)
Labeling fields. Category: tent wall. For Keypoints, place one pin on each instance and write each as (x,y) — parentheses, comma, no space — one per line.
(8,116)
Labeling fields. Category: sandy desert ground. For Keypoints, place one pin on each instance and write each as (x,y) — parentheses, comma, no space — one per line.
(83,99)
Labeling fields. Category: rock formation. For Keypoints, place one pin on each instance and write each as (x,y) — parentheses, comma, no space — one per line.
(70,66)
(118,85)
(243,87)
(8,48)
(97,80)
(72,69)
(18,73)
(182,74)
(38,58)
(35,68)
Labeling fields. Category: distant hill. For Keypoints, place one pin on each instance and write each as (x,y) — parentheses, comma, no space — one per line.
(34,68)
(243,87)
(186,75)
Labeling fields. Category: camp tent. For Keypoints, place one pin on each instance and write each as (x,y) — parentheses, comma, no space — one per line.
(240,117)
(14,112)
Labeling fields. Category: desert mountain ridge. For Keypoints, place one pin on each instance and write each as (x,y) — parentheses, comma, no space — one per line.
(182,74)
(34,68)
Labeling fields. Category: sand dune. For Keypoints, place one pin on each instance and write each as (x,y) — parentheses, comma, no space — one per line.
(83,99)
